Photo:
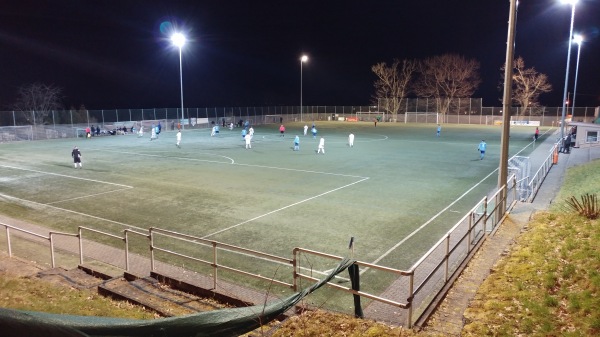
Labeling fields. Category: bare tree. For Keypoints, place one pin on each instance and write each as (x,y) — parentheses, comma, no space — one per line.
(392,85)
(447,77)
(528,84)
(37,100)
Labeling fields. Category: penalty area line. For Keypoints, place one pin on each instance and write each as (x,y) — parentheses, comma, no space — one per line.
(87,196)
(66,176)
(74,212)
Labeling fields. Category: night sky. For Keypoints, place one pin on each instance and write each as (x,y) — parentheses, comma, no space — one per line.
(114,54)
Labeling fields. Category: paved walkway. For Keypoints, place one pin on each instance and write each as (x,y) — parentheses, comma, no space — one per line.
(448,318)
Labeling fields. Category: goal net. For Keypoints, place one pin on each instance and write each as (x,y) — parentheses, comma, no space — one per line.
(272,119)
(521,168)
(421,117)
(369,116)
(16,133)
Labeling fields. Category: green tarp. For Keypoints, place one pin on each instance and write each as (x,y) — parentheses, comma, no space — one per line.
(226,322)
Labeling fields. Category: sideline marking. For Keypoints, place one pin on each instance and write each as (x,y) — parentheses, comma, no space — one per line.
(430,220)
(167,157)
(66,176)
(440,212)
(74,212)
(282,208)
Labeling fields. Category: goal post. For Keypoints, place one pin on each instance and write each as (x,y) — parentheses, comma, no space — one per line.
(421,117)
(369,116)
(16,133)
(272,119)
(520,166)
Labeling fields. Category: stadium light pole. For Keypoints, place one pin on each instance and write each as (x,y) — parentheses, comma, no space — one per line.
(303,59)
(179,40)
(579,40)
(506,105)
(562,120)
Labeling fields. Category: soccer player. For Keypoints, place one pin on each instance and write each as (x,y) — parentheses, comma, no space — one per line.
(213,131)
(251,132)
(76,154)
(537,133)
(178,138)
(153,133)
(141,132)
(439,130)
(481,149)
(314,131)
(282,130)
(297,143)
(248,138)
(351,140)
(321,146)
(244,132)
(305,129)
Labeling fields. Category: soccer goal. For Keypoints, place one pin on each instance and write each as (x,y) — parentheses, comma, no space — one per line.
(521,168)
(272,119)
(369,116)
(421,117)
(16,133)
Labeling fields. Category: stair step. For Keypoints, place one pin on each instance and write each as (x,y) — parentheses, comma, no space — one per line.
(75,278)
(152,294)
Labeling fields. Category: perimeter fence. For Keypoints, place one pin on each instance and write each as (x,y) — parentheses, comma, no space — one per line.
(71,123)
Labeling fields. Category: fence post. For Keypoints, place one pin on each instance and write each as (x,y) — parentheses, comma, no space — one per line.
(8,241)
(126,240)
(151,237)
(80,246)
(411,295)
(215,268)
(485,214)
(51,250)
(447,256)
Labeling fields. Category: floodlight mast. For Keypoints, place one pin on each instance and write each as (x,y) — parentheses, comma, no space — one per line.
(303,59)
(179,41)
(562,119)
(579,40)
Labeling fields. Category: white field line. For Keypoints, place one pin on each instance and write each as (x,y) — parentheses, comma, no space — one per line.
(74,212)
(285,207)
(435,216)
(303,171)
(430,220)
(87,196)
(231,161)
(67,176)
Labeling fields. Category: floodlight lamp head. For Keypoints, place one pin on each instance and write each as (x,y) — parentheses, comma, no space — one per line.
(178,39)
(304,58)
(578,39)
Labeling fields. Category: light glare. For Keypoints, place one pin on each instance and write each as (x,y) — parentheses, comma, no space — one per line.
(304,58)
(178,39)
(578,39)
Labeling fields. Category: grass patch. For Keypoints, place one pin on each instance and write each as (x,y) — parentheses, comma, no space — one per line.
(549,284)
(37,295)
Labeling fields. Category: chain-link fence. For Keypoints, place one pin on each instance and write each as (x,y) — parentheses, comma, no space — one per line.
(69,123)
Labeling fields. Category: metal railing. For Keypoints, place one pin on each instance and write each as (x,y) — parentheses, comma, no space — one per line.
(538,178)
(411,290)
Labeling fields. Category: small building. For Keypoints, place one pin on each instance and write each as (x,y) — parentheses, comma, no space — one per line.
(585,134)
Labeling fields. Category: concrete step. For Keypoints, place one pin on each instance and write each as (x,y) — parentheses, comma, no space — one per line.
(150,293)
(76,278)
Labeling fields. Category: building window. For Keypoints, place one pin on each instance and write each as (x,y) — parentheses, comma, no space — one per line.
(592,137)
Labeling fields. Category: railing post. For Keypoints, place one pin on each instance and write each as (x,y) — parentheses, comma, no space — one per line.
(126,239)
(8,241)
(294,273)
(485,215)
(447,256)
(80,246)
(151,237)
(215,269)
(51,250)
(409,300)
